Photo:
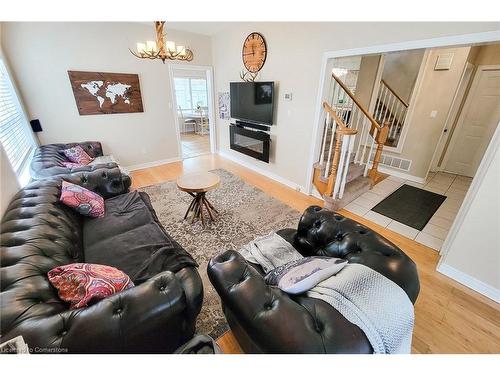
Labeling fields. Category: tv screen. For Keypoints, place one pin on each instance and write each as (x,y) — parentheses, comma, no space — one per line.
(252,101)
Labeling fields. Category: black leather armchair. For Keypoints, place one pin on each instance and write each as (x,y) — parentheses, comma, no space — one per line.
(266,320)
(47,161)
(38,234)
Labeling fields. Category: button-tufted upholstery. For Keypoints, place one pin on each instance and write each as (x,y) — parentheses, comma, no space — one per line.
(37,234)
(47,161)
(266,320)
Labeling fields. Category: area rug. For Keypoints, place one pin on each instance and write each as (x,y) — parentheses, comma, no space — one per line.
(245,213)
(410,205)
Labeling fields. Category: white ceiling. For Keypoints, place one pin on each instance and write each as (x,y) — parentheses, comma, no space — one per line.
(205,28)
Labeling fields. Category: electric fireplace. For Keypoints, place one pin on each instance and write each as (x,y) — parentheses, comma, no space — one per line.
(250,142)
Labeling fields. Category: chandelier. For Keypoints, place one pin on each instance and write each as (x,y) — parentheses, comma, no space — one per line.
(161,49)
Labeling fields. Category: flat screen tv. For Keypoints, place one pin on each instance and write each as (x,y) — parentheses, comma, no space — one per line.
(252,101)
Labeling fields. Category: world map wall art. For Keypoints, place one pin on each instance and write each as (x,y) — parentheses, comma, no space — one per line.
(98,93)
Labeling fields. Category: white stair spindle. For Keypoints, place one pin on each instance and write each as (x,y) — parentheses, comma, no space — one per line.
(330,149)
(350,147)
(358,158)
(325,136)
(365,173)
(340,169)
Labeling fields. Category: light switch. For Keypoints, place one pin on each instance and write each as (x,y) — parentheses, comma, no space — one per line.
(288,96)
(434,114)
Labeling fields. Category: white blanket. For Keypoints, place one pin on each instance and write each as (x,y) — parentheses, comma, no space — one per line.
(377,305)
(109,159)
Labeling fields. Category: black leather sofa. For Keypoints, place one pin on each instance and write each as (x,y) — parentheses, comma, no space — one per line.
(266,320)
(39,233)
(47,161)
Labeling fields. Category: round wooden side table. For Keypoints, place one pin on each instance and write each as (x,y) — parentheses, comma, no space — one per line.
(197,185)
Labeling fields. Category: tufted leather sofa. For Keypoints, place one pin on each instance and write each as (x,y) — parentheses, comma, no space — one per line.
(37,234)
(47,161)
(266,320)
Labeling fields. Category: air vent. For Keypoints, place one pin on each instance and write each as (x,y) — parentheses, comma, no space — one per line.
(394,162)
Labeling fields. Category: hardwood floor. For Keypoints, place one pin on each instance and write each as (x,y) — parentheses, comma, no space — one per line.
(449,317)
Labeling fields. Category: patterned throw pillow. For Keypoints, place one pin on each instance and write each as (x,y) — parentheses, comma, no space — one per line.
(71,165)
(84,201)
(82,284)
(300,275)
(77,155)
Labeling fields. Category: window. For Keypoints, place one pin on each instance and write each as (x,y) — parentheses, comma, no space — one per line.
(191,93)
(15,133)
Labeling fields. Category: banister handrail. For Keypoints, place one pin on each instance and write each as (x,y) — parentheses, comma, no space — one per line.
(395,94)
(351,95)
(343,129)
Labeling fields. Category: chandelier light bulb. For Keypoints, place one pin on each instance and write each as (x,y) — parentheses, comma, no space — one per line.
(141,48)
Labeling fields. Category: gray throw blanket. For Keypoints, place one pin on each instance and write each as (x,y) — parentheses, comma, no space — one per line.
(377,305)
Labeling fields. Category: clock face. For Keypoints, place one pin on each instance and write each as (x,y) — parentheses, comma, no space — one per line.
(254,52)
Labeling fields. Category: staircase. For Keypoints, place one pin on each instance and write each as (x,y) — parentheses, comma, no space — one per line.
(352,142)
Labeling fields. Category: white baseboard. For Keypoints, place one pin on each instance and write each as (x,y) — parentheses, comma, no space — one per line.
(470,282)
(263,172)
(152,164)
(399,174)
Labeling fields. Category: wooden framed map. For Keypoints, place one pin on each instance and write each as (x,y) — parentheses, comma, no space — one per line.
(98,93)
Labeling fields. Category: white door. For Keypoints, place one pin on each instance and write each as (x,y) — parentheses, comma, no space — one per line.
(477,123)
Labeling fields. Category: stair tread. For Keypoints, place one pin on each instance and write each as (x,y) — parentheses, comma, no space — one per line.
(355,171)
(353,190)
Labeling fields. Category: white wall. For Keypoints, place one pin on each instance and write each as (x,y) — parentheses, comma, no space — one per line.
(401,70)
(40,54)
(472,252)
(294,62)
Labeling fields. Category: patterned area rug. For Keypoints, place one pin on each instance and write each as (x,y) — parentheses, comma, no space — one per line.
(245,213)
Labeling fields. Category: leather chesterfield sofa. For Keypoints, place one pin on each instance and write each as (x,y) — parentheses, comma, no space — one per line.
(39,233)
(47,161)
(266,320)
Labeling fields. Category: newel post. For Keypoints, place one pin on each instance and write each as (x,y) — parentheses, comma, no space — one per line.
(380,139)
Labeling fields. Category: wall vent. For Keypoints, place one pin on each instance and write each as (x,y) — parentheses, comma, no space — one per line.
(394,162)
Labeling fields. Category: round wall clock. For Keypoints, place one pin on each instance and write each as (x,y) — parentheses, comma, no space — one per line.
(254,52)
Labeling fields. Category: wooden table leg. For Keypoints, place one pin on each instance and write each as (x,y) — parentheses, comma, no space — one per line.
(196,208)
(208,209)
(212,207)
(202,195)
(189,208)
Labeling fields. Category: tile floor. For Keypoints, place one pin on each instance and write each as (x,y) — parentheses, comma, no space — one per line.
(434,233)
(194,145)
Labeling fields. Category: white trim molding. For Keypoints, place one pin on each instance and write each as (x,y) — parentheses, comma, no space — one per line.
(150,164)
(209,75)
(470,282)
(263,172)
(395,173)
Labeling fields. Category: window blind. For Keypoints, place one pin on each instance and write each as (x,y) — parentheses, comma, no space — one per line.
(15,132)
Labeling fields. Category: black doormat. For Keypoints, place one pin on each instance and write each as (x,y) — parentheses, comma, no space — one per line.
(410,205)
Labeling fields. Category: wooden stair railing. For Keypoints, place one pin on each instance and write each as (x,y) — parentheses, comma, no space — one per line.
(390,109)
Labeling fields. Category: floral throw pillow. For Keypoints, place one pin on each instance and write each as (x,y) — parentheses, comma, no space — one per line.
(71,165)
(82,284)
(82,200)
(77,155)
(298,276)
